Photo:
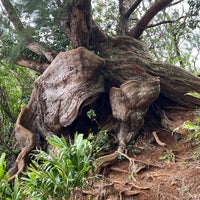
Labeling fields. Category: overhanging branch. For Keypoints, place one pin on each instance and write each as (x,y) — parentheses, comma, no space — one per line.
(124,14)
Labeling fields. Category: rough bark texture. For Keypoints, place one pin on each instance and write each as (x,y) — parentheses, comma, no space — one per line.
(72,81)
(78,23)
(129,105)
(79,78)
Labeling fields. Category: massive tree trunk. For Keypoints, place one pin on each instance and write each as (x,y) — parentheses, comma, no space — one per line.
(120,81)
(120,87)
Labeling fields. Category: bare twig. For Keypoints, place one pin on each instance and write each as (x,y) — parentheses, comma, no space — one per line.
(164,22)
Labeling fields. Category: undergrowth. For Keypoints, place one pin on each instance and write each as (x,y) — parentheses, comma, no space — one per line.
(52,175)
(194,136)
(194,129)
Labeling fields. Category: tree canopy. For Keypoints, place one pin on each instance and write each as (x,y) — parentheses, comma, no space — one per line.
(170,28)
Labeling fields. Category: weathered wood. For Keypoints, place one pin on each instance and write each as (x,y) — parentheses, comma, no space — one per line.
(72,81)
(129,105)
(77,78)
(129,59)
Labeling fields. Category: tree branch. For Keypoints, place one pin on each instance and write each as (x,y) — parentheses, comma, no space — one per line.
(132,8)
(12,15)
(31,64)
(141,25)
(123,23)
(175,3)
(77,26)
(165,22)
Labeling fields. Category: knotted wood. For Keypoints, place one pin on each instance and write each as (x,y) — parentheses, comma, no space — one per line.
(80,79)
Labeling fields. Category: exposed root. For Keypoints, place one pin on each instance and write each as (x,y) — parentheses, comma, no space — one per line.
(27,142)
(134,167)
(106,160)
(107,190)
(133,185)
(128,188)
(158,140)
(132,193)
(119,170)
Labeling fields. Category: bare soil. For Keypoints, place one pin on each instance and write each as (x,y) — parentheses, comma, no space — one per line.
(153,172)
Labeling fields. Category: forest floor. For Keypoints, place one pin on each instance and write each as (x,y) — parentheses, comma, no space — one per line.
(164,172)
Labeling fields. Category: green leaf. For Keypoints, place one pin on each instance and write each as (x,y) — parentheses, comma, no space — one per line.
(2,165)
(56,141)
(193,94)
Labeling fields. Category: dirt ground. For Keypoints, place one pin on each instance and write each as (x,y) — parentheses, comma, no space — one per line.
(152,172)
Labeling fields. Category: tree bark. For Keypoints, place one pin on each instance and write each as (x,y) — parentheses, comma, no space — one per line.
(124,16)
(78,23)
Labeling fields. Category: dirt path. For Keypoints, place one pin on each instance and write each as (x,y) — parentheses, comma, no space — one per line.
(165,173)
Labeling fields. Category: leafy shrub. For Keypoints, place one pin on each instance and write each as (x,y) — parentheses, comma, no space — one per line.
(55,175)
(194,137)
(194,128)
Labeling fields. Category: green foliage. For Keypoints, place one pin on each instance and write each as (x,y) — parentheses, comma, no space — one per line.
(15,88)
(105,14)
(41,22)
(56,175)
(91,114)
(176,42)
(100,143)
(194,8)
(194,136)
(51,175)
(194,129)
(194,94)
(8,192)
(168,156)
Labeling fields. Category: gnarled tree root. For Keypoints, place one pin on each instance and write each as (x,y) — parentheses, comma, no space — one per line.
(135,165)
(105,161)
(27,143)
